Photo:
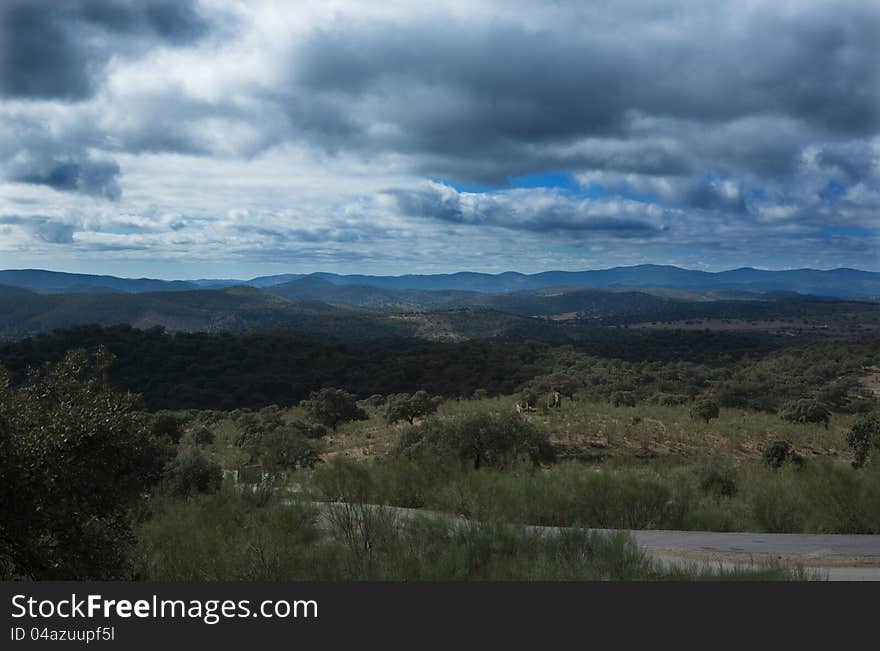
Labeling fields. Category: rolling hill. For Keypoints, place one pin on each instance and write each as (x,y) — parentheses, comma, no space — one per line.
(839,283)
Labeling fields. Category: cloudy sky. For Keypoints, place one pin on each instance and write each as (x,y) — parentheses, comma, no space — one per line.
(175,138)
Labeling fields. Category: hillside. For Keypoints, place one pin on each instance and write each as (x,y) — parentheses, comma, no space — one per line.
(849,283)
(51,282)
(840,283)
(316,307)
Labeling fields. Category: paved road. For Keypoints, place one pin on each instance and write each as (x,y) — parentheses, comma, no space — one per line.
(777,544)
(846,557)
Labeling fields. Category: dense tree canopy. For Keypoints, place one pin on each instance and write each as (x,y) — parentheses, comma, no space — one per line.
(75,458)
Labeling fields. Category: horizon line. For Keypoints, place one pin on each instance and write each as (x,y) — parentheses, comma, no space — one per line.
(442,273)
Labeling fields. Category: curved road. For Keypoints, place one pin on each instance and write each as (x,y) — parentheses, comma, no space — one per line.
(837,557)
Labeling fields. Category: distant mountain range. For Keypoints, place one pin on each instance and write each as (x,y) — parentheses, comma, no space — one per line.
(839,283)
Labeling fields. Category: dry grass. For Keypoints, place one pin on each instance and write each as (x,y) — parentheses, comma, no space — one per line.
(597,430)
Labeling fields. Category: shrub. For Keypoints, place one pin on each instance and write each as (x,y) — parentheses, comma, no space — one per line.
(805,410)
(564,383)
(779,505)
(842,500)
(779,452)
(224,537)
(864,434)
(354,518)
(168,427)
(282,449)
(192,472)
(718,478)
(375,400)
(623,399)
(705,409)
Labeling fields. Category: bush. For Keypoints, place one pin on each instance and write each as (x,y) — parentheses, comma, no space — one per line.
(363,527)
(705,410)
(623,399)
(779,505)
(780,452)
(224,537)
(718,478)
(192,472)
(282,449)
(564,383)
(168,427)
(375,400)
(804,411)
(864,434)
(407,482)
(842,500)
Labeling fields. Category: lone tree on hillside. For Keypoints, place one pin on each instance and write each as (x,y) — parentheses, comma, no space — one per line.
(331,407)
(403,406)
(864,435)
(483,440)
(805,410)
(705,410)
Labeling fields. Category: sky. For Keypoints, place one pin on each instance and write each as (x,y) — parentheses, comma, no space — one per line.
(196,139)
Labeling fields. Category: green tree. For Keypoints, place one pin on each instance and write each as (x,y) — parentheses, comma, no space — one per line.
(564,383)
(705,410)
(76,459)
(864,434)
(403,406)
(331,407)
(483,440)
(192,472)
(168,427)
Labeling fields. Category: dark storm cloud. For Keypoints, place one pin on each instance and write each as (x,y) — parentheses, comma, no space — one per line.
(43,228)
(57,50)
(98,178)
(455,91)
(712,193)
(852,161)
(692,126)
(537,212)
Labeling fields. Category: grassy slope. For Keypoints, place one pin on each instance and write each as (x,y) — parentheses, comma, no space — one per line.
(597,430)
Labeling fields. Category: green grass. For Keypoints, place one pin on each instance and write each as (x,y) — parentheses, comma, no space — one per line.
(228,537)
(592,429)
